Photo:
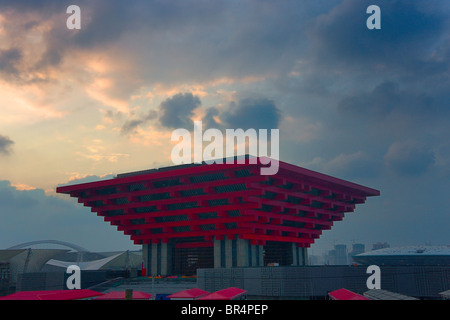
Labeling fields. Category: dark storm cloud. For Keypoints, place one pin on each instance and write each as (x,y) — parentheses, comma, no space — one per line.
(410,31)
(209,120)
(175,112)
(108,21)
(349,166)
(5,145)
(130,125)
(204,39)
(372,88)
(388,98)
(41,6)
(197,39)
(194,40)
(343,55)
(252,113)
(9,59)
(409,158)
(40,216)
(103,22)
(20,18)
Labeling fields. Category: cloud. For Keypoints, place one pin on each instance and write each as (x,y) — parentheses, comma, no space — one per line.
(171,40)
(78,179)
(375,105)
(344,58)
(42,6)
(38,216)
(408,37)
(177,111)
(255,113)
(409,158)
(131,124)
(396,111)
(8,60)
(356,165)
(252,113)
(388,98)
(210,119)
(5,145)
(373,88)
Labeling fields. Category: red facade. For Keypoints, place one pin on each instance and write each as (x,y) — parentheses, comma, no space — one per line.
(193,204)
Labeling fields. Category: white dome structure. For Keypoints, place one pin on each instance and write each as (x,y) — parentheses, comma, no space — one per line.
(407,255)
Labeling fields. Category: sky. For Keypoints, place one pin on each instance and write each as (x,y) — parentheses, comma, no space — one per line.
(368,106)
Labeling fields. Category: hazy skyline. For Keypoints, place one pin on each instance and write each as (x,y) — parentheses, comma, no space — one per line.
(368,106)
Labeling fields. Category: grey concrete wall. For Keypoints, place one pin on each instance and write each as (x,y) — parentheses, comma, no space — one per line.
(316,281)
(35,281)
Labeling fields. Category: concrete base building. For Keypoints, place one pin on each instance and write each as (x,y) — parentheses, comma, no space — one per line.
(221,215)
(315,282)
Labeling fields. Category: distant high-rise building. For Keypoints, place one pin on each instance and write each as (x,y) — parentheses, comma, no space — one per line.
(341,254)
(331,257)
(315,260)
(357,248)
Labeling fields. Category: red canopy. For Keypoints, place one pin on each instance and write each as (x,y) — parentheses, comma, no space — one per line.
(225,294)
(344,294)
(194,293)
(120,295)
(53,295)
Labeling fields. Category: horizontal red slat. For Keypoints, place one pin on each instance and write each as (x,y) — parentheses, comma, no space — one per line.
(188,234)
(197,222)
(189,211)
(181,187)
(164,202)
